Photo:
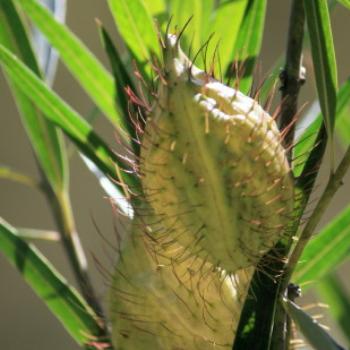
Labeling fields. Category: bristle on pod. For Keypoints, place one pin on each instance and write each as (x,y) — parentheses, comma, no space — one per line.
(213,167)
(161,302)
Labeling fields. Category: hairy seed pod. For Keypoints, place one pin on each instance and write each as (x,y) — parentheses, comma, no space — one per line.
(161,302)
(213,167)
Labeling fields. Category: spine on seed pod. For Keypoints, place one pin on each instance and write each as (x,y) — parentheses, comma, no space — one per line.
(161,298)
(213,167)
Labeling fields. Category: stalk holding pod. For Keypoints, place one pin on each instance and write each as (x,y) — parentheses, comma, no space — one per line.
(163,302)
(213,167)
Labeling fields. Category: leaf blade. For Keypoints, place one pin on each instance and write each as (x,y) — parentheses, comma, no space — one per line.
(45,138)
(249,40)
(226,30)
(136,27)
(325,251)
(323,56)
(311,330)
(63,301)
(345,3)
(66,118)
(334,294)
(306,140)
(84,66)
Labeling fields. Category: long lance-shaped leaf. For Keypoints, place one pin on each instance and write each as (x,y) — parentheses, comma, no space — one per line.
(45,138)
(225,23)
(135,24)
(155,7)
(311,330)
(323,56)
(122,81)
(50,152)
(248,42)
(208,7)
(84,66)
(66,118)
(345,3)
(333,293)
(307,139)
(64,301)
(325,251)
(181,12)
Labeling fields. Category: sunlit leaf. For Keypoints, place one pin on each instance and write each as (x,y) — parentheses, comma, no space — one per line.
(66,118)
(85,67)
(226,24)
(325,251)
(307,138)
(248,42)
(323,56)
(136,26)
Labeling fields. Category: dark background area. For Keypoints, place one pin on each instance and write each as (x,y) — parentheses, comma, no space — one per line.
(25,322)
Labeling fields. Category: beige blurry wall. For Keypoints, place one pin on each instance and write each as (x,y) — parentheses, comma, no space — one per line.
(25,323)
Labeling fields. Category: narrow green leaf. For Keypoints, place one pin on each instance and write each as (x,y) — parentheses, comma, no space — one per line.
(345,3)
(248,42)
(181,12)
(306,140)
(63,301)
(208,7)
(46,140)
(270,81)
(136,26)
(342,124)
(155,7)
(325,251)
(66,118)
(333,293)
(85,67)
(311,330)
(122,81)
(226,23)
(323,56)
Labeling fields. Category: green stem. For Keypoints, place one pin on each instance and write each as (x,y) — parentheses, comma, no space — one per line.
(74,250)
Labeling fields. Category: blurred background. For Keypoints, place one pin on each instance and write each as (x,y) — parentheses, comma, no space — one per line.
(25,322)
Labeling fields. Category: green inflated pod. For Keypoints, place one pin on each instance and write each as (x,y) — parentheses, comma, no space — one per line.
(160,301)
(213,167)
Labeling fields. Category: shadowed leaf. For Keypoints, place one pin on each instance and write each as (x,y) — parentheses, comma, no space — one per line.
(63,301)
(323,56)
(311,330)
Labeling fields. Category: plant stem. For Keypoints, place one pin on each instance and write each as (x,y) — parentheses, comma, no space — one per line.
(292,79)
(262,309)
(292,76)
(74,250)
(335,181)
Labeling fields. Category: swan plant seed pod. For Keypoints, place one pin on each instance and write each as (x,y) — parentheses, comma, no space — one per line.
(213,167)
(159,302)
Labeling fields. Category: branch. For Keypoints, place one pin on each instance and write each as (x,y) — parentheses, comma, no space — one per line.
(292,76)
